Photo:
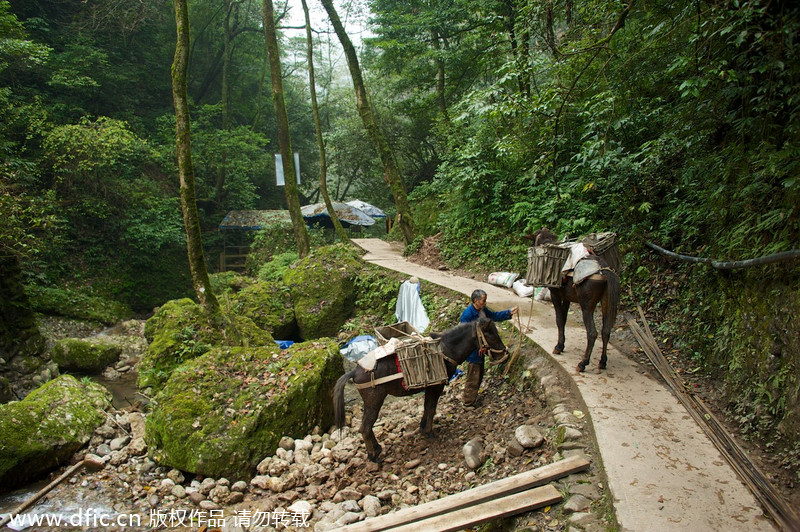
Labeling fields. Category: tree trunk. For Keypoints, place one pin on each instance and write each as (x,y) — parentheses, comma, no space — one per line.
(323,166)
(227,52)
(385,152)
(191,220)
(441,101)
(284,140)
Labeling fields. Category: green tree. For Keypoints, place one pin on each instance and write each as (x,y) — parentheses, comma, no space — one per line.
(323,166)
(194,241)
(396,183)
(284,139)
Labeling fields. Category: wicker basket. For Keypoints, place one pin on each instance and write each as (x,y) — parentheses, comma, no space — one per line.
(545,263)
(605,246)
(421,362)
(401,330)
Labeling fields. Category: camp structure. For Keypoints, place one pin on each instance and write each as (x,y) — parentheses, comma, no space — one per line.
(236,229)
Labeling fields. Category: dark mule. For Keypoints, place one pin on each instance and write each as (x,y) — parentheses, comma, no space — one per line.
(587,294)
(457,343)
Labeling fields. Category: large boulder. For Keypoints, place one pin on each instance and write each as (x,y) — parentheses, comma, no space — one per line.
(222,413)
(269,305)
(322,289)
(45,429)
(179,331)
(74,354)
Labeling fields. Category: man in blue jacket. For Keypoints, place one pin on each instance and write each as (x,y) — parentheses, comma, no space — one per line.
(475,368)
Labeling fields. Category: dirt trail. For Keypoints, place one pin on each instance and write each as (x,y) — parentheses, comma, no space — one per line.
(663,471)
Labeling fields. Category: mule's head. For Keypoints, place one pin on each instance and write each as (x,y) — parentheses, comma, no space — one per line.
(544,236)
(489,339)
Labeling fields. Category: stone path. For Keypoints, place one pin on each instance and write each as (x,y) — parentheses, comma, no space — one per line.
(663,472)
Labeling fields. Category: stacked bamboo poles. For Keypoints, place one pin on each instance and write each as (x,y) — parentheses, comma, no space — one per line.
(755,480)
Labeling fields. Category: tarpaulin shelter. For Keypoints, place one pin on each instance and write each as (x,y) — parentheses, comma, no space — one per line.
(254,220)
(317,213)
(367,208)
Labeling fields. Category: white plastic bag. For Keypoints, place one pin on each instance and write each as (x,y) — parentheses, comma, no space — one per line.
(522,289)
(542,294)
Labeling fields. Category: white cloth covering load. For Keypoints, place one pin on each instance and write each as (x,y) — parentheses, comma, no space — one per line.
(577,251)
(409,305)
(368,361)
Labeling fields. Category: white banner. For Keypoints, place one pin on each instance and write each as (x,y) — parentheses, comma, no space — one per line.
(279,180)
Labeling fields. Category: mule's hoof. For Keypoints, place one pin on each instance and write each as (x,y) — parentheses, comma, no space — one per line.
(602,365)
(581,367)
(376,458)
(557,351)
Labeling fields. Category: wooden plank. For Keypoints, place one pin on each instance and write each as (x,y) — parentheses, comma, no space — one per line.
(487,492)
(486,511)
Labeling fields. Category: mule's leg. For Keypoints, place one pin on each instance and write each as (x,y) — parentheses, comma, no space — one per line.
(432,394)
(587,309)
(561,306)
(373,401)
(605,333)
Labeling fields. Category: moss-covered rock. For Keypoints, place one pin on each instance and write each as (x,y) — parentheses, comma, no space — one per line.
(179,331)
(269,305)
(45,429)
(322,289)
(72,304)
(222,413)
(228,283)
(74,354)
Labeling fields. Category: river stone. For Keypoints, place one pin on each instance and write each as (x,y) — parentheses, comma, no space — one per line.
(137,423)
(118,443)
(577,503)
(45,429)
(74,354)
(371,505)
(528,436)
(473,453)
(227,409)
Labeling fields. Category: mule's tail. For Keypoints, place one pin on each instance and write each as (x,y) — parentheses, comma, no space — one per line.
(338,398)
(612,295)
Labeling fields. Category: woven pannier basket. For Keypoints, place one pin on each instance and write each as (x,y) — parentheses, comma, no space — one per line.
(545,263)
(400,330)
(421,362)
(604,245)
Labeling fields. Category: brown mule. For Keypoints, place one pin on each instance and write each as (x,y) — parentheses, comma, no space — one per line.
(587,294)
(457,343)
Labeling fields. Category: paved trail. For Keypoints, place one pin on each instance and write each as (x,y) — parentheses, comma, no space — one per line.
(663,471)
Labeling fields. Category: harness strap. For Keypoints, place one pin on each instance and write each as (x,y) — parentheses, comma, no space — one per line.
(373,382)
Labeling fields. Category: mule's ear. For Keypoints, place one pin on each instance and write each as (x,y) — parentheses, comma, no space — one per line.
(484,323)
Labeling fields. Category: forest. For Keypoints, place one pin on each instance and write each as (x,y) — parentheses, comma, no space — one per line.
(673,123)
